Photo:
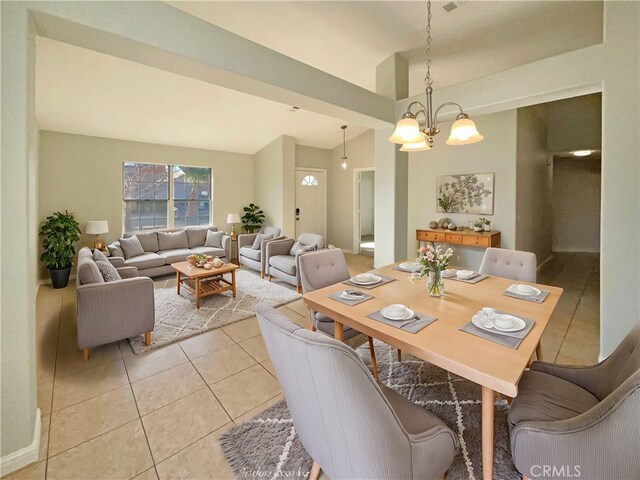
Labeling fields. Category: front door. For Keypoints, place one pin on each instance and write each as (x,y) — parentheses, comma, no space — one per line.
(311,202)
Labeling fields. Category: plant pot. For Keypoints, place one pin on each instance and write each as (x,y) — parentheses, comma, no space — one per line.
(60,278)
(478,229)
(487,228)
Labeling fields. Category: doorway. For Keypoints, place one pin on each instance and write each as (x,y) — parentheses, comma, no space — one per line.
(364,211)
(311,201)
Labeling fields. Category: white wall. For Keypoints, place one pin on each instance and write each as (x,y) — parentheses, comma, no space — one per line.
(576,204)
(312,157)
(534,223)
(575,124)
(367,202)
(497,153)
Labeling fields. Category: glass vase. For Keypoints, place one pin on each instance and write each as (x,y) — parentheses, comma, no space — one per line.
(435,283)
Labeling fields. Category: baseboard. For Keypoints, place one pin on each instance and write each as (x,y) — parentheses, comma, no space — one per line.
(25,456)
(547,260)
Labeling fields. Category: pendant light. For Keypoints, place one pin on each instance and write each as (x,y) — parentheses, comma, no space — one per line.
(344,147)
(408,131)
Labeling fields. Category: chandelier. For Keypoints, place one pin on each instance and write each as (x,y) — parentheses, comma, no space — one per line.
(344,147)
(415,138)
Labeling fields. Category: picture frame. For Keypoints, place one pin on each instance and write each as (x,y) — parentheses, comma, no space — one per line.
(465,193)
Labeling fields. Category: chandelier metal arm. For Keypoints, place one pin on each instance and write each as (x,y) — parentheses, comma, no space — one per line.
(448,104)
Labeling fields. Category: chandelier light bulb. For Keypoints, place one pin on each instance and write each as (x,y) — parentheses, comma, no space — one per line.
(464,132)
(407,131)
(422,146)
(344,163)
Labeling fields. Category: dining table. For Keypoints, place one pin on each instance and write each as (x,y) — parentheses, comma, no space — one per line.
(495,367)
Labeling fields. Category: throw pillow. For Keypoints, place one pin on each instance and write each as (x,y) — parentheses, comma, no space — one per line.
(98,256)
(131,247)
(261,237)
(108,271)
(295,247)
(148,240)
(197,236)
(115,250)
(172,240)
(308,248)
(299,248)
(214,239)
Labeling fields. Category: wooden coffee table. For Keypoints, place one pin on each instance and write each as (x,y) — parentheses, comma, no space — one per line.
(202,282)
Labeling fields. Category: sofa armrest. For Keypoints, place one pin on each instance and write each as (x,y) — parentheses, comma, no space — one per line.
(128,272)
(584,376)
(112,311)
(279,247)
(117,262)
(264,264)
(226,245)
(246,239)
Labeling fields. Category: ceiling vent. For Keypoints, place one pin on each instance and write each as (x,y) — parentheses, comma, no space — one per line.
(294,109)
(450,7)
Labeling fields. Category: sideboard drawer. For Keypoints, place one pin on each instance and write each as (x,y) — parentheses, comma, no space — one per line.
(436,236)
(476,241)
(422,235)
(453,238)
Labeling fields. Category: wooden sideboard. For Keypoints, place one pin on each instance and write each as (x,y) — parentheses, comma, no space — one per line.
(466,237)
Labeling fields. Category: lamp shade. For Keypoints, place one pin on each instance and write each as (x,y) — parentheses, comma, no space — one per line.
(233,218)
(407,131)
(463,132)
(96,227)
(415,147)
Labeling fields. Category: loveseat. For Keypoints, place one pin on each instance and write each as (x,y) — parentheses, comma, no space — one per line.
(161,248)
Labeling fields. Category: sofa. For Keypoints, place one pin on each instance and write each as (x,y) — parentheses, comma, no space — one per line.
(281,264)
(255,258)
(164,247)
(108,311)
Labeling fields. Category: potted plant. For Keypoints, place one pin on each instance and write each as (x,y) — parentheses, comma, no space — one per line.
(487,225)
(478,226)
(60,232)
(252,219)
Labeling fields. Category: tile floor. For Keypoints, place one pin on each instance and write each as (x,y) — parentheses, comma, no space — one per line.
(158,415)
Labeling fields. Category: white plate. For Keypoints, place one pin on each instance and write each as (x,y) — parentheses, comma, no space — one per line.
(376,279)
(407,315)
(466,274)
(409,266)
(346,296)
(449,273)
(534,293)
(519,324)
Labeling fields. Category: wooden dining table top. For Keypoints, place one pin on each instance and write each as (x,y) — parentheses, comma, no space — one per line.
(442,343)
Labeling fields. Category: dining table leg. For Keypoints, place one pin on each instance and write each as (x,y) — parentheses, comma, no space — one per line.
(488,406)
(338,331)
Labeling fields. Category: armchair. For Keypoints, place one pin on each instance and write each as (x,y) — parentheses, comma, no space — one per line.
(584,418)
(280,264)
(252,258)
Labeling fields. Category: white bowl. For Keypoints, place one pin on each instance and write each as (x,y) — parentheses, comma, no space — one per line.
(365,277)
(464,274)
(525,289)
(396,310)
(503,321)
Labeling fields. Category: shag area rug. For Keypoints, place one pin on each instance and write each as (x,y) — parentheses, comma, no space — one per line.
(177,317)
(267,445)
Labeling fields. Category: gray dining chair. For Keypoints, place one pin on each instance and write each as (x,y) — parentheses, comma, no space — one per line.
(321,269)
(584,420)
(514,264)
(352,426)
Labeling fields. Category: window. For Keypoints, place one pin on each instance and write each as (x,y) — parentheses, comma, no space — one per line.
(309,181)
(149,195)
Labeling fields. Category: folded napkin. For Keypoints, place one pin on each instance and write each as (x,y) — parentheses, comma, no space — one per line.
(338,298)
(508,339)
(397,267)
(385,280)
(530,298)
(408,326)
(478,278)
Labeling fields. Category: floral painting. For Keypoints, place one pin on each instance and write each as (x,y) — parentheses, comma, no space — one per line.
(467,193)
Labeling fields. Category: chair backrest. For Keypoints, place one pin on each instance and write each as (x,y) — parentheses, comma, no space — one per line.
(512,264)
(620,365)
(323,268)
(275,231)
(311,239)
(340,414)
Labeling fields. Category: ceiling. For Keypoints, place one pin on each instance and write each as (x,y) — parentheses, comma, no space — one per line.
(85,92)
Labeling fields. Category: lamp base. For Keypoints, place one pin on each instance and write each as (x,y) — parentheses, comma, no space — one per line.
(98,244)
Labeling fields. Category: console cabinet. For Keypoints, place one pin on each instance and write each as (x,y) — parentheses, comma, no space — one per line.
(466,237)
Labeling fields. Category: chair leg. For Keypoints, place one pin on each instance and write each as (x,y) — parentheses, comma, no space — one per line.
(374,364)
(298,289)
(315,471)
(86,354)
(399,355)
(539,351)
(147,338)
(269,277)
(262,275)
(313,328)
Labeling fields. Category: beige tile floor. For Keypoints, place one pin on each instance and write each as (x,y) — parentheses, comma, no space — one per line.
(158,415)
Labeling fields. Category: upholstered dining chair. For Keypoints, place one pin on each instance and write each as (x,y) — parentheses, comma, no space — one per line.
(514,264)
(282,262)
(254,256)
(321,269)
(352,426)
(582,421)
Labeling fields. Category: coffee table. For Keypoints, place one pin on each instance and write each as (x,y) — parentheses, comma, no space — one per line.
(202,282)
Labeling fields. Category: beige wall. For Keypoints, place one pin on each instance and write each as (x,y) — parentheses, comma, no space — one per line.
(312,157)
(576,204)
(575,124)
(84,175)
(497,153)
(534,213)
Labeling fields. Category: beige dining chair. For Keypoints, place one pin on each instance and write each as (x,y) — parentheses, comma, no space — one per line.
(321,269)
(352,426)
(514,264)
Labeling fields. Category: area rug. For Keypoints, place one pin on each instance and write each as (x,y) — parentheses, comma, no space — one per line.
(177,317)
(267,445)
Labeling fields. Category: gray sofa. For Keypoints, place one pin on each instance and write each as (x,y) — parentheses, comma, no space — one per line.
(111,311)
(256,259)
(164,247)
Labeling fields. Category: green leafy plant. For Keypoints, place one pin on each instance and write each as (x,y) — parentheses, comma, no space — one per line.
(479,224)
(484,221)
(60,232)
(252,219)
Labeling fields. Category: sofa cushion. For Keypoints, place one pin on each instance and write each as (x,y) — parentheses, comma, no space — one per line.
(175,255)
(146,260)
(115,250)
(298,248)
(131,246)
(88,272)
(543,397)
(98,256)
(148,240)
(172,240)
(284,263)
(196,236)
(249,252)
(214,239)
(108,271)
(261,237)
(214,251)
